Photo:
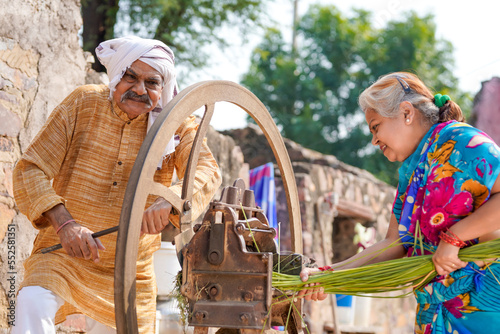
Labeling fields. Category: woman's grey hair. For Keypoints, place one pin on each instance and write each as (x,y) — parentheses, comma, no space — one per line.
(386,94)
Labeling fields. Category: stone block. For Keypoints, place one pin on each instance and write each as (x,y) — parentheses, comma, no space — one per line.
(5,83)
(7,182)
(8,97)
(337,186)
(7,74)
(28,83)
(6,145)
(15,78)
(11,124)
(6,43)
(319,178)
(6,216)
(4,303)
(24,60)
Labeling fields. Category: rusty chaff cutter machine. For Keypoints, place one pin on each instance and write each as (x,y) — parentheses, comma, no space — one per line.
(228,259)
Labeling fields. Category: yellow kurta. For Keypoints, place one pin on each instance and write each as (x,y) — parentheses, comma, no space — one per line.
(87,149)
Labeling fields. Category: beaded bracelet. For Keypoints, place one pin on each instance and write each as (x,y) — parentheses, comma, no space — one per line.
(452,240)
(64,224)
(326,268)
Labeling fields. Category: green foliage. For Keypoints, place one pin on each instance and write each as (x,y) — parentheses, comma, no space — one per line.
(312,92)
(189,25)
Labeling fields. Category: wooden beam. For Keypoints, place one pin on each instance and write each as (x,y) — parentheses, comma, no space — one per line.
(347,208)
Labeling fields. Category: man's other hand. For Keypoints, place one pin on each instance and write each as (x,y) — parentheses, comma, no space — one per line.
(155,217)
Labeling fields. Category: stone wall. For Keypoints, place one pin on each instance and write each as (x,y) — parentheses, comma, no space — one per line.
(40,63)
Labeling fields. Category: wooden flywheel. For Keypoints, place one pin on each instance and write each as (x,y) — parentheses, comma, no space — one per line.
(141,184)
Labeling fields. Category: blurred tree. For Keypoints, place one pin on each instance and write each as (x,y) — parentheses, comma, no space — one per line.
(184,25)
(99,18)
(312,93)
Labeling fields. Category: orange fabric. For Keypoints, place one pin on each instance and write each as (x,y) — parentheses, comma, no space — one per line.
(87,149)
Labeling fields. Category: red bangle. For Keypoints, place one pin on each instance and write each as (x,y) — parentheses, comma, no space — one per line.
(456,237)
(64,224)
(326,268)
(452,240)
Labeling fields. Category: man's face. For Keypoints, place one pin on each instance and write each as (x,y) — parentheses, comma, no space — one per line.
(139,90)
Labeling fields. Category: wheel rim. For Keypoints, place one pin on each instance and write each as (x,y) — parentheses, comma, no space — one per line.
(141,184)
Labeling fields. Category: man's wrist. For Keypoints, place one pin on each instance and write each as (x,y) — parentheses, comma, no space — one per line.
(64,224)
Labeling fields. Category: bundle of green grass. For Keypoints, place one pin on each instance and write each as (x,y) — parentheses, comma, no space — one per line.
(394,275)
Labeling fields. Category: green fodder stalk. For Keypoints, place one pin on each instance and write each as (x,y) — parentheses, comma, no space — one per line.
(182,301)
(393,275)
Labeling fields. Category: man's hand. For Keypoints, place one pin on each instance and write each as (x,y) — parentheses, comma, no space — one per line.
(75,239)
(155,218)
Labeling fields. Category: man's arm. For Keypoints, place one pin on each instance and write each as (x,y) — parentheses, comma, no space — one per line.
(32,177)
(207,181)
(42,161)
(76,240)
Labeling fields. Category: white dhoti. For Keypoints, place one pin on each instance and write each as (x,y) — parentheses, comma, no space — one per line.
(36,310)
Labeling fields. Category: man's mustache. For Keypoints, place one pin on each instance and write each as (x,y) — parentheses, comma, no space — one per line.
(133,96)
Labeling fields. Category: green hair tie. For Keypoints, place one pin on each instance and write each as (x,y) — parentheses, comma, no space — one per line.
(440,100)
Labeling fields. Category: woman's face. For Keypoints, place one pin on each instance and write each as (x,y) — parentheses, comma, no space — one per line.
(394,136)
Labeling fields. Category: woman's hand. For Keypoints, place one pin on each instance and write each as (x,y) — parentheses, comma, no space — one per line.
(446,259)
(314,293)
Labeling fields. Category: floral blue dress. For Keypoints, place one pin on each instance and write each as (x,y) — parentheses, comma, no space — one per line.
(447,178)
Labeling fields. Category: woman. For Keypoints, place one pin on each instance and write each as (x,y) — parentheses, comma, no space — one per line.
(447,198)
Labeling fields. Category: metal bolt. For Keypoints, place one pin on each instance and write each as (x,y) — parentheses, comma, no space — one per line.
(199,316)
(187,205)
(214,256)
(185,289)
(240,228)
(196,228)
(214,291)
(245,318)
(248,296)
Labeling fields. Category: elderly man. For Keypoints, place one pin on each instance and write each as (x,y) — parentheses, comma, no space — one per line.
(87,149)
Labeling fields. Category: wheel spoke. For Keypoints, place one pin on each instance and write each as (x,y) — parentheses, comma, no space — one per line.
(187,189)
(159,189)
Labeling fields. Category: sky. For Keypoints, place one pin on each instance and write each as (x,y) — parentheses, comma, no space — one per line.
(471,26)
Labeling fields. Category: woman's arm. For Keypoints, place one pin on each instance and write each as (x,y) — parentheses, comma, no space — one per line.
(388,249)
(484,221)
(484,224)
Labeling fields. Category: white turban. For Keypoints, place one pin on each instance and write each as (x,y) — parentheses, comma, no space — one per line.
(118,54)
